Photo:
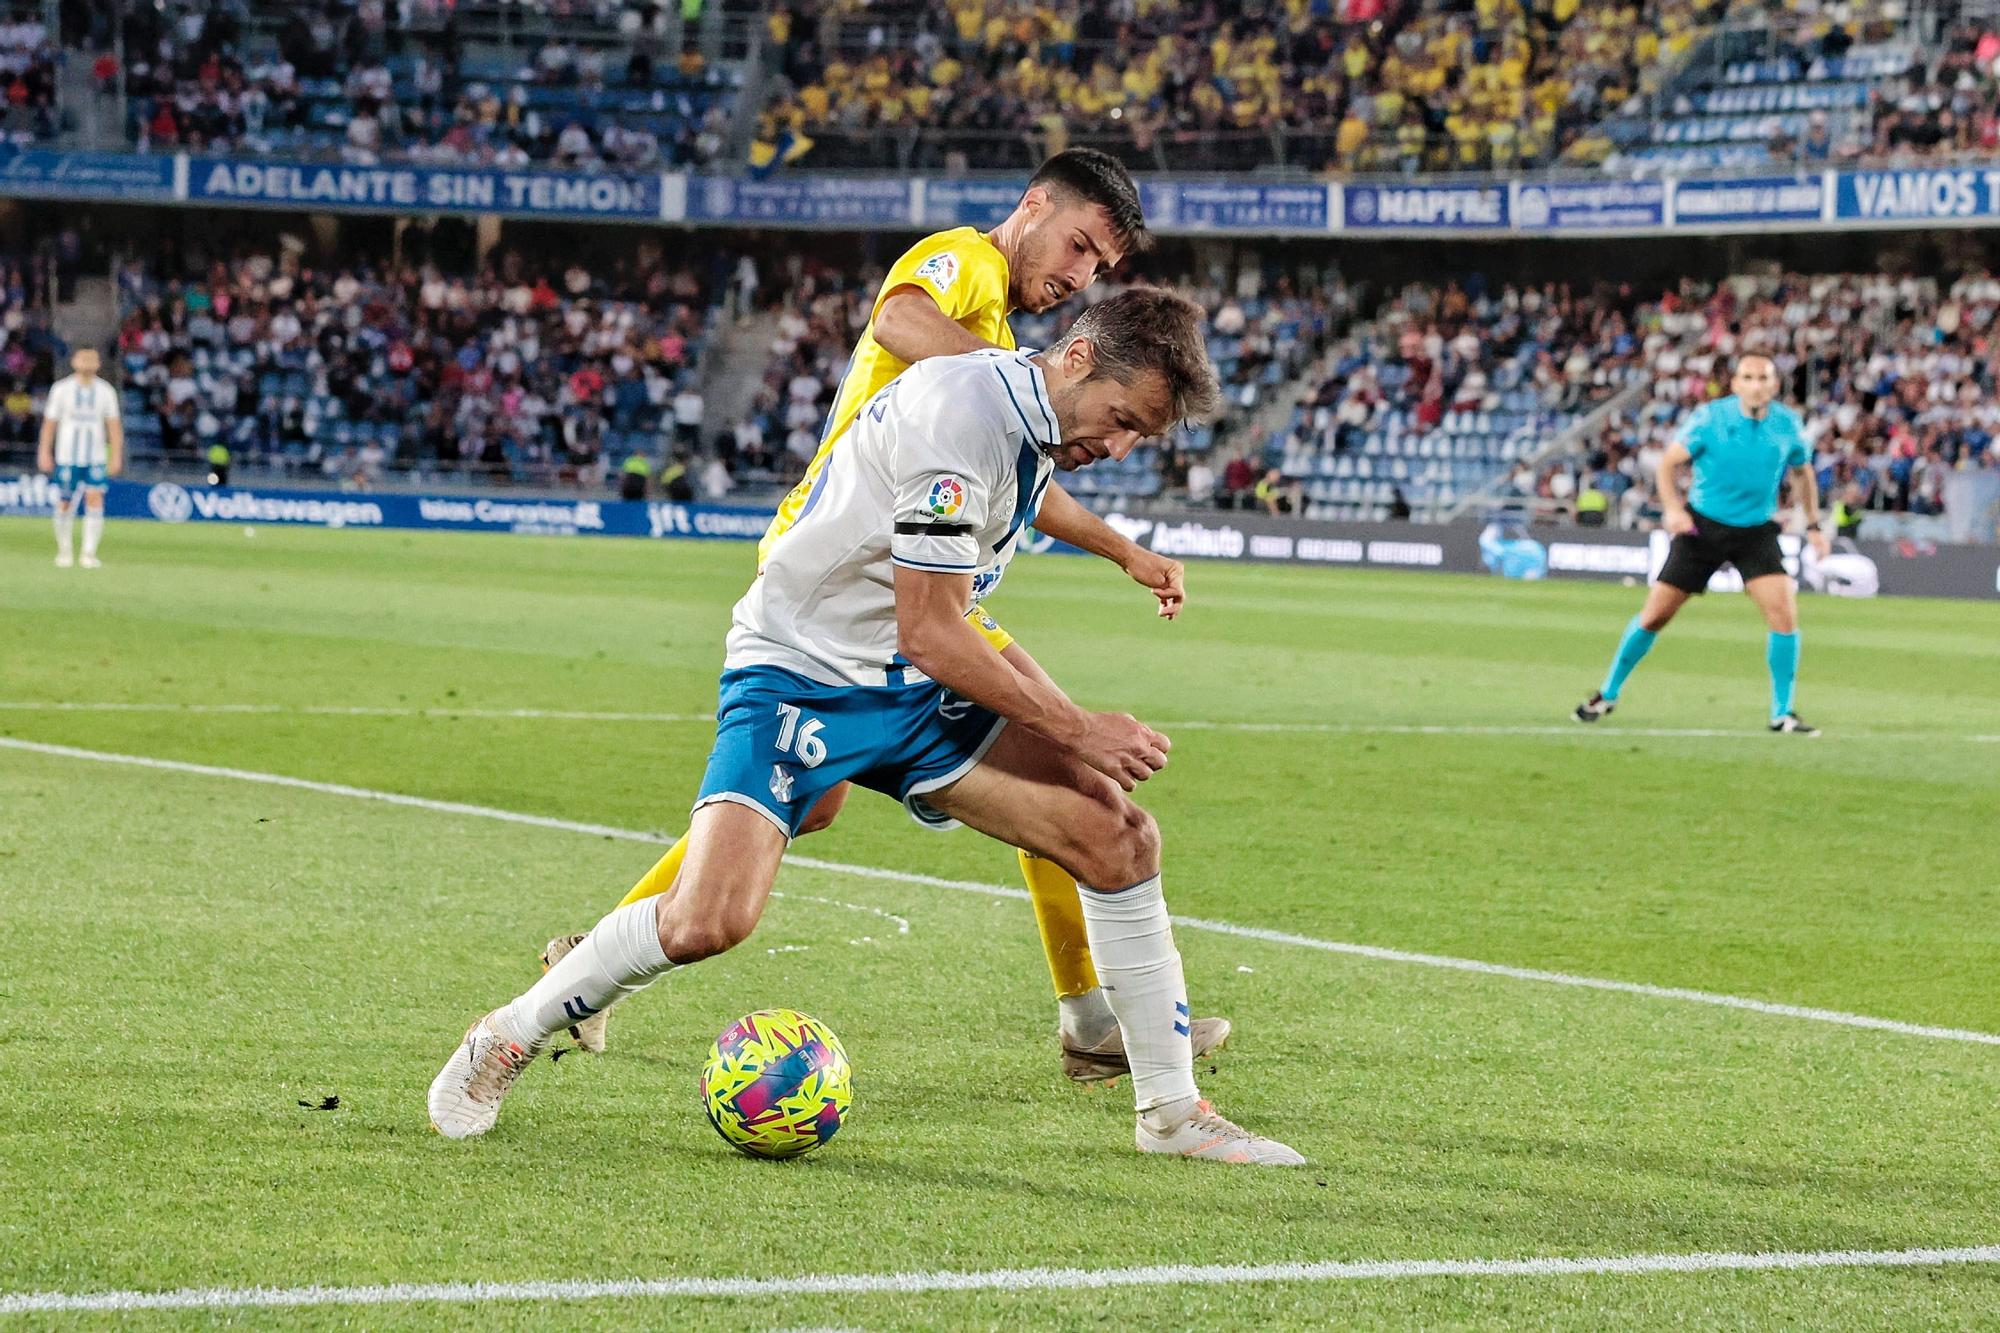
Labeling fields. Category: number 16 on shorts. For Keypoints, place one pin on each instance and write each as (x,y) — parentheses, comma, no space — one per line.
(798,736)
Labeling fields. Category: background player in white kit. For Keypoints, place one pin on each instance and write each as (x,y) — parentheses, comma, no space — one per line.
(83,444)
(850,659)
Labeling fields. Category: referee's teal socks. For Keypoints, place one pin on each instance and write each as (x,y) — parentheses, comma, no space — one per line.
(1781,654)
(1638,641)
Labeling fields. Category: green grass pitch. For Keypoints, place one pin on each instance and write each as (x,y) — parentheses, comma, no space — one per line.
(185,959)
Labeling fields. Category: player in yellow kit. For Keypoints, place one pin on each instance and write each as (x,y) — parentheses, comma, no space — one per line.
(949,294)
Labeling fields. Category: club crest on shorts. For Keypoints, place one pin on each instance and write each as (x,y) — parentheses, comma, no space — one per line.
(947,497)
(781,784)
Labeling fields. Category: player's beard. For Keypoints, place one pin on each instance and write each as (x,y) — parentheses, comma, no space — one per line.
(1031,294)
(1068,457)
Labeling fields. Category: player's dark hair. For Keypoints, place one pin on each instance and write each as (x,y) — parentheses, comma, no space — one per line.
(1145,329)
(1084,175)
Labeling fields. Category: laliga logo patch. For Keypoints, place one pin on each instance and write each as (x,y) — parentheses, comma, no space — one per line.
(947,497)
(940,270)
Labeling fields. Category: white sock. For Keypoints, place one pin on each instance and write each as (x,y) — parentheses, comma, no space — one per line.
(1140,970)
(93,532)
(65,516)
(1085,1020)
(622,954)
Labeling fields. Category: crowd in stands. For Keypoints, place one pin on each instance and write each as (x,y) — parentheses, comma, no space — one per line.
(1359,85)
(1894,375)
(1324,85)
(1412,400)
(523,372)
(344,79)
(1259,340)
(27,76)
(29,351)
(1951,107)
(1429,400)
(1406,402)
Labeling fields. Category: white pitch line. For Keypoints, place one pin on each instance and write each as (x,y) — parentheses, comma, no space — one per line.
(340,710)
(997,1279)
(1183,724)
(1445,961)
(1451,963)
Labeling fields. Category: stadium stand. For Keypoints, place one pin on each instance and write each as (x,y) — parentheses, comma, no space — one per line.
(1381,86)
(339,80)
(1258,343)
(1340,404)
(514,374)
(1363,85)
(29,352)
(1784,89)
(28,58)
(1894,376)
(1442,390)
(1357,86)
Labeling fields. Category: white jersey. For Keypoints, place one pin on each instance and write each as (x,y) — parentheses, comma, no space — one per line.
(942,472)
(81,410)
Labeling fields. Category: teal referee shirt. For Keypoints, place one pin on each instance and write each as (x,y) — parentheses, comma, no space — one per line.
(1739,461)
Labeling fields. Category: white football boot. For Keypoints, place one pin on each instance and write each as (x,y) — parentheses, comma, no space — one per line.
(64,560)
(1211,1138)
(589,1034)
(90,562)
(1106,1062)
(465,1096)
(1593,708)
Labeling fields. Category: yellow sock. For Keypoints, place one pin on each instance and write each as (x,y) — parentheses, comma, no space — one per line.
(660,879)
(1059,913)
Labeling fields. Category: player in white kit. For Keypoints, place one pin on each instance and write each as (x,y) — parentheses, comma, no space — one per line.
(83,444)
(850,660)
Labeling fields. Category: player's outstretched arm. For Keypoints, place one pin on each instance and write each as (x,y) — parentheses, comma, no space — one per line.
(45,450)
(931,632)
(1064,518)
(114,442)
(1667,483)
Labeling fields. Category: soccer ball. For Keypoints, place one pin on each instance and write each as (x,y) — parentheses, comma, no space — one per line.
(777,1083)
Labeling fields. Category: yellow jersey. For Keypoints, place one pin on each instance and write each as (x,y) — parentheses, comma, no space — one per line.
(966,275)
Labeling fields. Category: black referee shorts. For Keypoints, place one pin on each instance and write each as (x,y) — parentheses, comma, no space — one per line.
(1694,557)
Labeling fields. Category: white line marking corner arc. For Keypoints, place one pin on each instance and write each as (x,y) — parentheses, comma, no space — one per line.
(1000,1280)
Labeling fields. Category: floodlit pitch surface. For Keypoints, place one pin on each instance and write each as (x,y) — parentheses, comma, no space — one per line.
(185,958)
